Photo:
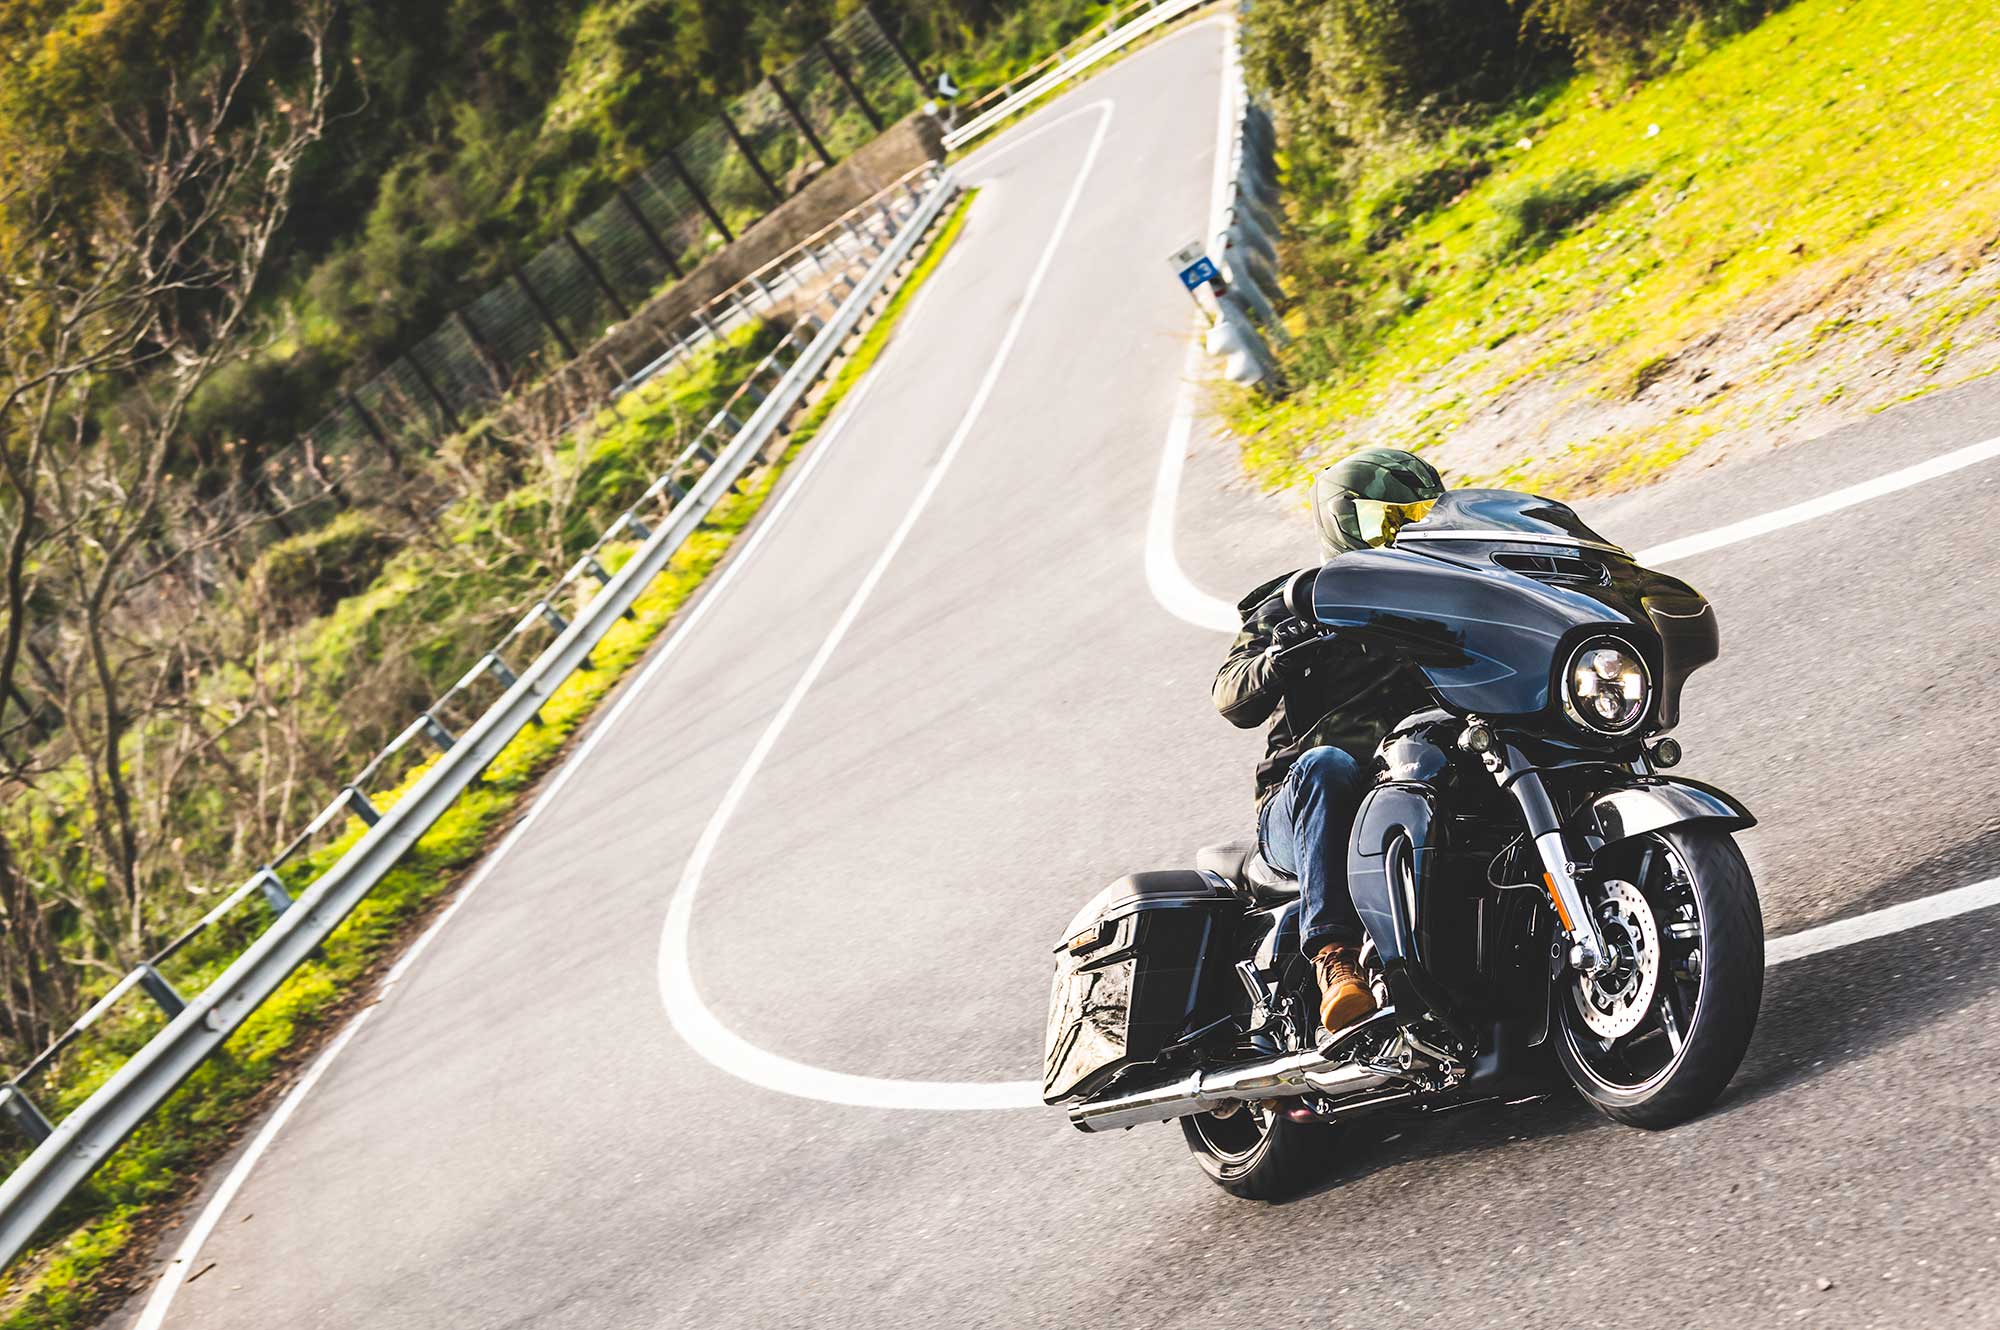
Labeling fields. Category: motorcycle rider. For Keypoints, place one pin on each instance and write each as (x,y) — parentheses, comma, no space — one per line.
(1329,703)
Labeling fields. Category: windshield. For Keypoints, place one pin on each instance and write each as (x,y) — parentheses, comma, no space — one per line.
(1491,514)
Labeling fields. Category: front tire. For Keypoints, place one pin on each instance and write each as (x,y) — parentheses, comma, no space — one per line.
(1710,982)
(1261,1155)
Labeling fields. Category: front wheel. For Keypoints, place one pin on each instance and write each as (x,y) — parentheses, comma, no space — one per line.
(1260,1154)
(1653,1041)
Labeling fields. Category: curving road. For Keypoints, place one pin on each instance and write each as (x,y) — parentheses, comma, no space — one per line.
(934,704)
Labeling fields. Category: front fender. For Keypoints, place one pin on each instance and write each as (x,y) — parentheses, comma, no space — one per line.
(1654,805)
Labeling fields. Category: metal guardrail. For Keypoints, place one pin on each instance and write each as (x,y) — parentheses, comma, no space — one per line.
(1242,235)
(71,1150)
(1164,11)
(1023,77)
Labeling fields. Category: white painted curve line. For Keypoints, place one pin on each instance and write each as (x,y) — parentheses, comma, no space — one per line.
(183,1262)
(1170,584)
(691,1016)
(1881,923)
(1689,546)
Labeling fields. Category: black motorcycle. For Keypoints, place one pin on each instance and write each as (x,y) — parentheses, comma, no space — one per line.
(1527,878)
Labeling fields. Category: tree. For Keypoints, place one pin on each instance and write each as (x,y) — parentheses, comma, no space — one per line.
(131,244)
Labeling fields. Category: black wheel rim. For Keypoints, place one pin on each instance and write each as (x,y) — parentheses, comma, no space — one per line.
(1236,1138)
(1637,1062)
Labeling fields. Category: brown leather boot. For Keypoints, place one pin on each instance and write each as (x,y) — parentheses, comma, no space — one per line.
(1343,990)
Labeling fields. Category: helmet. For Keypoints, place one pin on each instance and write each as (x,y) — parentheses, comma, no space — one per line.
(1362,501)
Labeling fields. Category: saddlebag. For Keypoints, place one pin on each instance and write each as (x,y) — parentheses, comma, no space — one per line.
(1137,967)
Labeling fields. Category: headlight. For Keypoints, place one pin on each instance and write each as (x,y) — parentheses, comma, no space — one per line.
(1607,687)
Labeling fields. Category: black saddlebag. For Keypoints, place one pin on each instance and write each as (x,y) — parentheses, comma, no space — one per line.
(1137,968)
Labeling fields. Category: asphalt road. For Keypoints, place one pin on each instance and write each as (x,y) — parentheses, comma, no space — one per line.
(1009,720)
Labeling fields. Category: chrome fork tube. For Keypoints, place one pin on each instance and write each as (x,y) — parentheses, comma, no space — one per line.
(1587,950)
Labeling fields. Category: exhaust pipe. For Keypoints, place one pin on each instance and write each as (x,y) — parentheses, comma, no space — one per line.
(1202,1092)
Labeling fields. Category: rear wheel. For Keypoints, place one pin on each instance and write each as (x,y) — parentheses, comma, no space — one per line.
(1259,1154)
(1654,1040)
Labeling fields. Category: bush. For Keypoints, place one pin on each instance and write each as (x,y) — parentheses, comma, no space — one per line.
(1353,72)
(1627,37)
(305,576)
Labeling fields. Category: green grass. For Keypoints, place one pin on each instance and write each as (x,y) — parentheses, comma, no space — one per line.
(1584,239)
(69,1283)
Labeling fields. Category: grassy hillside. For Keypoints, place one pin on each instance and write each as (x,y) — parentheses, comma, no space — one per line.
(1606,273)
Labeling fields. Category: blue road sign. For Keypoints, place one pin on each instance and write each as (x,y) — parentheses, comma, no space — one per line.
(1201,270)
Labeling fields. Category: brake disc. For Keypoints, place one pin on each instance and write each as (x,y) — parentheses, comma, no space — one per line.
(1613,1003)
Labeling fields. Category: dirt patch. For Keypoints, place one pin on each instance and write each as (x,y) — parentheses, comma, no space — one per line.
(1822,350)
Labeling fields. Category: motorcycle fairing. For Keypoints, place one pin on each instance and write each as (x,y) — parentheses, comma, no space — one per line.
(1391,860)
(1451,598)
(1655,804)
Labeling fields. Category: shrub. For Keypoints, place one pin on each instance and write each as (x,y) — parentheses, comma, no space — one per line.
(1357,71)
(307,575)
(1627,37)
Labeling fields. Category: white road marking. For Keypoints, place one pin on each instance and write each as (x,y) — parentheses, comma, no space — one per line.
(1171,585)
(1688,546)
(1881,923)
(691,1016)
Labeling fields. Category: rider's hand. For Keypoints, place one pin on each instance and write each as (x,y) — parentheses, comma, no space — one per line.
(1295,645)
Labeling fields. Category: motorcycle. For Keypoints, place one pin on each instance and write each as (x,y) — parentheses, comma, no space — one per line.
(1528,878)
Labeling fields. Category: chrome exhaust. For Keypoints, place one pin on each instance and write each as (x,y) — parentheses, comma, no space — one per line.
(1310,1072)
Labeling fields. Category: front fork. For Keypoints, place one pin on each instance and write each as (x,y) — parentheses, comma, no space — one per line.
(1560,866)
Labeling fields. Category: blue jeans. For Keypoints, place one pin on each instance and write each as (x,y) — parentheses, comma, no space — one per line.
(1303,830)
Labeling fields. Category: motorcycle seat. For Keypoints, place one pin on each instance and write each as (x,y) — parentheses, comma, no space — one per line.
(1241,865)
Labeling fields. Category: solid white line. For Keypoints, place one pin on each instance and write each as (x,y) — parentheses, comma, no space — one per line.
(183,1262)
(691,1016)
(1688,546)
(182,1265)
(1881,923)
(1170,584)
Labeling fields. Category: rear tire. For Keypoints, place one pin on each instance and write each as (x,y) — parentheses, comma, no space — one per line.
(1260,1155)
(1729,951)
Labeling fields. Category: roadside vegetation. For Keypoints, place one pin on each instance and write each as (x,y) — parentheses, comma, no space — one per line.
(377,626)
(1568,246)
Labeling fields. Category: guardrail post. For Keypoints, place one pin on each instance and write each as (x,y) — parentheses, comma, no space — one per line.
(436,732)
(589,564)
(20,1110)
(162,992)
(498,669)
(553,617)
(272,888)
(360,805)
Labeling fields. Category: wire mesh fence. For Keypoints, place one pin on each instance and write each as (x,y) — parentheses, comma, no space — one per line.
(758,150)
